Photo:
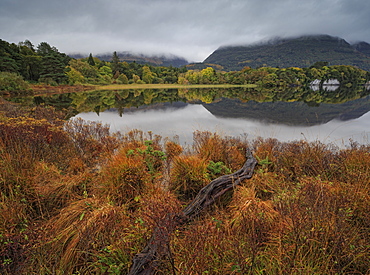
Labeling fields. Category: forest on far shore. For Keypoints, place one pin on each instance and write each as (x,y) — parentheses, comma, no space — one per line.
(23,64)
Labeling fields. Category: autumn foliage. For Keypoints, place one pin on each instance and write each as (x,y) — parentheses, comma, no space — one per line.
(78,199)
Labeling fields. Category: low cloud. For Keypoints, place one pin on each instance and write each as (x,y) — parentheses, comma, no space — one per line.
(191,29)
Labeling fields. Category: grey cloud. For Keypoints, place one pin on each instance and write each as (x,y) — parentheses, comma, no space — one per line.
(190,28)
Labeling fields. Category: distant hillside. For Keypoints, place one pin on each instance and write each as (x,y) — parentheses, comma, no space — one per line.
(363,47)
(165,61)
(293,52)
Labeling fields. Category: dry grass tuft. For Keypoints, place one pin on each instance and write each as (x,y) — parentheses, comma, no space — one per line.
(213,147)
(79,233)
(157,205)
(172,150)
(56,190)
(14,235)
(124,178)
(188,176)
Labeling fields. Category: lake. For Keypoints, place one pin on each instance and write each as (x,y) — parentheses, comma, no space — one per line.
(173,120)
(335,115)
(330,118)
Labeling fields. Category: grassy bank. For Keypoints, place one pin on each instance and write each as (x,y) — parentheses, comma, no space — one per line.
(76,199)
(169,86)
(60,89)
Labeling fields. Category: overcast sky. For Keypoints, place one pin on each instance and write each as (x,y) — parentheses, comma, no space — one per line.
(192,29)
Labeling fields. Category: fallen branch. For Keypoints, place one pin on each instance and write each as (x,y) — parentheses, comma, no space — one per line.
(146,262)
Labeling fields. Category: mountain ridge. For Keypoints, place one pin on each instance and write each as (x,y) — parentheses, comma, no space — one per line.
(302,51)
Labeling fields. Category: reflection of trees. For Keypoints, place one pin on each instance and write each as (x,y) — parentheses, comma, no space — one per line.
(99,101)
(121,99)
(340,95)
(204,95)
(88,101)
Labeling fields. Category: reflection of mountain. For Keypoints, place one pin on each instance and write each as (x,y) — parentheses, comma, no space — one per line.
(155,106)
(289,113)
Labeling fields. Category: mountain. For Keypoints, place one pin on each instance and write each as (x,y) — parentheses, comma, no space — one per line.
(362,47)
(166,61)
(292,52)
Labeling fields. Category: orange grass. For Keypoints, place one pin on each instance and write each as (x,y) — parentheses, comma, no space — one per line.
(76,199)
(188,176)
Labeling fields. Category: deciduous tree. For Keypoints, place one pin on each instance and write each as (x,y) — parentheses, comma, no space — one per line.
(148,75)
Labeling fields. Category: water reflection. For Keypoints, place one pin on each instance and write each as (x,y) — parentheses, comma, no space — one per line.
(331,116)
(174,121)
(287,114)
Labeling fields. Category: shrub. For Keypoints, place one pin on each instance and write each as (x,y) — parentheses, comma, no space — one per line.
(12,82)
(28,140)
(92,140)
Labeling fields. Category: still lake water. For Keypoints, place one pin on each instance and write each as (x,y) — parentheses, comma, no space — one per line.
(330,122)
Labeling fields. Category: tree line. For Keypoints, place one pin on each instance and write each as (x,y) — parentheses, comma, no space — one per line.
(279,77)
(103,100)
(45,64)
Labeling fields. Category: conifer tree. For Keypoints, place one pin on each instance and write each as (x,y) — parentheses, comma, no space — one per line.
(115,65)
(53,64)
(91,60)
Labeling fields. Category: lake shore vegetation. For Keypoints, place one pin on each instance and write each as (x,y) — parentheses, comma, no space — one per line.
(78,199)
(23,64)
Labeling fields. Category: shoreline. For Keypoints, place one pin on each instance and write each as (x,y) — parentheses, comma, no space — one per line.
(47,89)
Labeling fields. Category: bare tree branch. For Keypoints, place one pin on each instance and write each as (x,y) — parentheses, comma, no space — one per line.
(146,262)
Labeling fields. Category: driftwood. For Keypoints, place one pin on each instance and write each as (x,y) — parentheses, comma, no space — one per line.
(146,262)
